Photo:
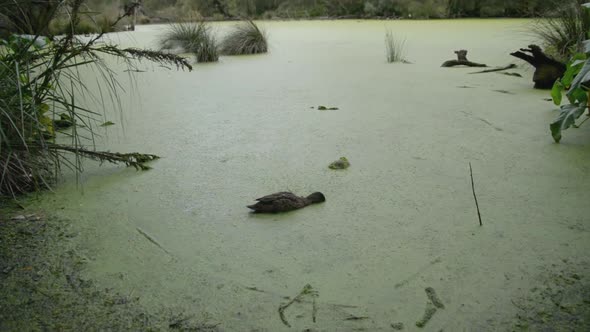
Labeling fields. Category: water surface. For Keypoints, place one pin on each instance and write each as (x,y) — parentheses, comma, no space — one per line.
(400,219)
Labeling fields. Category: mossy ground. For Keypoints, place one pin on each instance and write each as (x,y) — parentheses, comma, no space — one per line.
(561,303)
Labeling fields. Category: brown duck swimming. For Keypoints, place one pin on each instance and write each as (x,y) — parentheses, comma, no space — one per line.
(285,201)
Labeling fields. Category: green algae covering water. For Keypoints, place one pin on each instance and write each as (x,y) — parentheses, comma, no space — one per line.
(400,221)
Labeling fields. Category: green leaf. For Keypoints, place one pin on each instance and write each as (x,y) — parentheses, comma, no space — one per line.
(573,68)
(582,76)
(556,92)
(567,118)
(578,96)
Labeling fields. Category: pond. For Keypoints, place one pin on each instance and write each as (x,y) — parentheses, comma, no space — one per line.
(402,218)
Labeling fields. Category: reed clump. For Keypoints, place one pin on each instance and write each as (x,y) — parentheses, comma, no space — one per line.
(395,47)
(245,38)
(191,36)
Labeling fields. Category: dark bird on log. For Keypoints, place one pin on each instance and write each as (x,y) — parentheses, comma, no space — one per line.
(285,201)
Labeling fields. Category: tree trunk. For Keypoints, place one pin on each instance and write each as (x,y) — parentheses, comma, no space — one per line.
(547,70)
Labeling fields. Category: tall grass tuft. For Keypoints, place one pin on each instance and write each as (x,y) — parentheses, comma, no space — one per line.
(563,30)
(395,47)
(191,36)
(245,38)
(40,81)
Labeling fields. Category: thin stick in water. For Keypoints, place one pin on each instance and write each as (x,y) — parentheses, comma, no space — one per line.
(474,196)
(152,240)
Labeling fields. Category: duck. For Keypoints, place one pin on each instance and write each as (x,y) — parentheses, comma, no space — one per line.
(285,201)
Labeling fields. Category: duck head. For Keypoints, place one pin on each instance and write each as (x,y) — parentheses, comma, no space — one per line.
(316,197)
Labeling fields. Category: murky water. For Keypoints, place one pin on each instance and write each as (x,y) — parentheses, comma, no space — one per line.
(400,219)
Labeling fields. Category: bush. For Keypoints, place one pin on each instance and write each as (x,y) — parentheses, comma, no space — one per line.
(193,37)
(246,38)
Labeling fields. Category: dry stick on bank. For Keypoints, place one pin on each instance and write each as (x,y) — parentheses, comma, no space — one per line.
(474,196)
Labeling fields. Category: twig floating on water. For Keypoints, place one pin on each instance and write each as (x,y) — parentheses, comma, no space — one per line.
(510,66)
(511,74)
(255,289)
(152,240)
(474,196)
(505,91)
(356,318)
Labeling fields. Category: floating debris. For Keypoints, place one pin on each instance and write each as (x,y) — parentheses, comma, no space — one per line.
(511,74)
(307,290)
(431,293)
(341,163)
(397,326)
(324,108)
(505,91)
(428,313)
(352,317)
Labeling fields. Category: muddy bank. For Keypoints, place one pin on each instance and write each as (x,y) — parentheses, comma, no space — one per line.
(42,287)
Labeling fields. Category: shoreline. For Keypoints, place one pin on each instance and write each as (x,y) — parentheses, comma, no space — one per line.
(42,275)
(44,286)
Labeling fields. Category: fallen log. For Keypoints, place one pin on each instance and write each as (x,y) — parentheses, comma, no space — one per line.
(462,61)
(547,70)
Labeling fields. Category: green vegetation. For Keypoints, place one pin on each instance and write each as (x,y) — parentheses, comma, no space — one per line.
(576,81)
(192,36)
(39,83)
(563,29)
(218,9)
(395,47)
(245,38)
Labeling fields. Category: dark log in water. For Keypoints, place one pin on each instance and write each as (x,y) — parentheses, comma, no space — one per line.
(462,61)
(547,70)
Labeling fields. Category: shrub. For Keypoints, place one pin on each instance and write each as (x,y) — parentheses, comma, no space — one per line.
(246,38)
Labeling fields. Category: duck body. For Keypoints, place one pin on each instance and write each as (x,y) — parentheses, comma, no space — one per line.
(284,201)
